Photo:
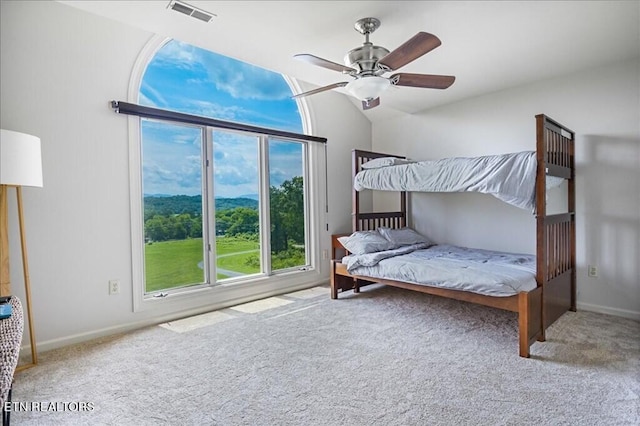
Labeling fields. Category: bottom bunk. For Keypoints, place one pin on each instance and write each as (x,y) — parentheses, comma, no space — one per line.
(527,304)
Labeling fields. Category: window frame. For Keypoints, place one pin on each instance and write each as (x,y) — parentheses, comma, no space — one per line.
(218,295)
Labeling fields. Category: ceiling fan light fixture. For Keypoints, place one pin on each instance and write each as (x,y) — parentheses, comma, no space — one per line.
(368,88)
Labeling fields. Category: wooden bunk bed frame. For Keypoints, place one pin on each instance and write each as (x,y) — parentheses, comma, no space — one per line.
(555,248)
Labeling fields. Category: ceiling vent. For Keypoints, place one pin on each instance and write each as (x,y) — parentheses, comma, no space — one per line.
(194,12)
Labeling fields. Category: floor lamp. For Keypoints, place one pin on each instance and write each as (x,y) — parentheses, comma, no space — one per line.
(20,165)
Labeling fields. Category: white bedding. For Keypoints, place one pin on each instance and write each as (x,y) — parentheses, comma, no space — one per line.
(487,272)
(509,177)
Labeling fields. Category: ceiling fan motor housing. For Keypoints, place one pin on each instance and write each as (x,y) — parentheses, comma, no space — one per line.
(365,59)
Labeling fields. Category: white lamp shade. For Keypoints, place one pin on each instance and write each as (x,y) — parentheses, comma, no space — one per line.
(367,88)
(20,159)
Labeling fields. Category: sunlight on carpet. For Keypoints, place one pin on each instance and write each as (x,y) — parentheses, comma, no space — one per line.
(261,305)
(310,293)
(204,320)
(195,322)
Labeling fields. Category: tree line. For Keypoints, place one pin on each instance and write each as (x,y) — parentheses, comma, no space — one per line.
(179,217)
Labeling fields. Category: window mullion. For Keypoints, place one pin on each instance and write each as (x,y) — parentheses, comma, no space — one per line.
(209,208)
(306,201)
(265,209)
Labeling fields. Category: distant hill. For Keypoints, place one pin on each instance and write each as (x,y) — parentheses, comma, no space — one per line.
(251,196)
(232,203)
(192,204)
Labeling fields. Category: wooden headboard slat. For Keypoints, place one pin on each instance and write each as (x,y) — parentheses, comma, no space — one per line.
(370,221)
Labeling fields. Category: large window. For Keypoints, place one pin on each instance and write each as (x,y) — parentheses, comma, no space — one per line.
(219,206)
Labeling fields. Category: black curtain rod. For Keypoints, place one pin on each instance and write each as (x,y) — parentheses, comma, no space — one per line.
(163,114)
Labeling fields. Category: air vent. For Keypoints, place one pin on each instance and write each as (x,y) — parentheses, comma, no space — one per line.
(187,9)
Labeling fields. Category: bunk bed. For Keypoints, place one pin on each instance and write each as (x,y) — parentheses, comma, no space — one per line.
(553,271)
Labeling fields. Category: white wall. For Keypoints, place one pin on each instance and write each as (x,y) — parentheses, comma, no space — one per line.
(59,69)
(603,107)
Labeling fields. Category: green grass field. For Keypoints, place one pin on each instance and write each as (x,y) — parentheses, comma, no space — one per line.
(174,263)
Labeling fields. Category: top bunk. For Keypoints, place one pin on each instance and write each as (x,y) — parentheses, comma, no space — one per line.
(518,178)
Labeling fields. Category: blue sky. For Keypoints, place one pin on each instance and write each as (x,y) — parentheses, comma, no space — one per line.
(184,78)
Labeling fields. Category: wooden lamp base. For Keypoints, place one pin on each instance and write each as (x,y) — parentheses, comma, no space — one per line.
(5,276)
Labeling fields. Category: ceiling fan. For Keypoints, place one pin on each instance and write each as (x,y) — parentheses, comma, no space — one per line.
(368,63)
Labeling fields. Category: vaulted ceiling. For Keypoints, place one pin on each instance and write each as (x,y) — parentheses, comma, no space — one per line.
(488,45)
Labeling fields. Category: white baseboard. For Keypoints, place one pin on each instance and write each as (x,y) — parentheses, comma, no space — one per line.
(635,315)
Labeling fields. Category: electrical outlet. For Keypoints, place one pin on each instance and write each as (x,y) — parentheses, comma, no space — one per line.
(593,271)
(114,287)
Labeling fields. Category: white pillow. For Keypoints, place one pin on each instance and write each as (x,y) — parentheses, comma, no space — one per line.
(362,242)
(376,163)
(403,236)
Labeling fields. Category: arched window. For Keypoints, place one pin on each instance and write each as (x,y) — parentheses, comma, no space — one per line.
(219,206)
(185,78)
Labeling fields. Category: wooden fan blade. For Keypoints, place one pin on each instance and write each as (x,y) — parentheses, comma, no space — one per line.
(427,81)
(321,89)
(325,63)
(370,104)
(412,49)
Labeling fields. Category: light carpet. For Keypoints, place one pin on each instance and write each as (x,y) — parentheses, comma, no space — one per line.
(384,357)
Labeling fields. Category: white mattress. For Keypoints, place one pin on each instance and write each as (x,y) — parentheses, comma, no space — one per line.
(487,272)
(509,177)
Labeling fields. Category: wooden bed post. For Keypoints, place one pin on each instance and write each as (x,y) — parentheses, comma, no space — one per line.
(529,319)
(403,208)
(355,195)
(334,284)
(541,211)
(572,210)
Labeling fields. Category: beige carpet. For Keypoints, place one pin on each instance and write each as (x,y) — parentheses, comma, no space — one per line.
(384,357)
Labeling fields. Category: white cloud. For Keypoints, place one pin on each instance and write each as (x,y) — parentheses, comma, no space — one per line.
(245,81)
(235,163)
(212,109)
(176,54)
(151,96)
